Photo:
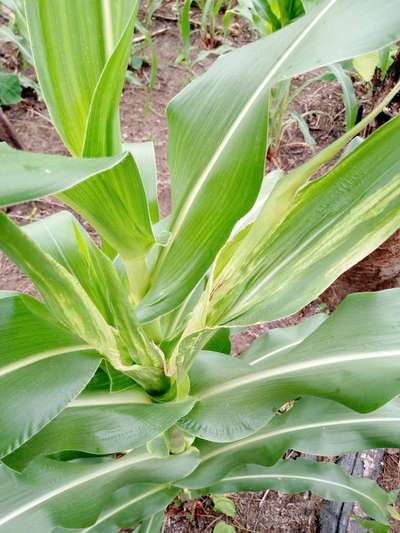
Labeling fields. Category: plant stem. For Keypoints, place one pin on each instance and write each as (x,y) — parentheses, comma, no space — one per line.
(10,134)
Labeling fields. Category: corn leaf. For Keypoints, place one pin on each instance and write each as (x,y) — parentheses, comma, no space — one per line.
(39,360)
(131,504)
(72,495)
(356,349)
(153,524)
(75,74)
(124,218)
(326,479)
(320,427)
(145,158)
(349,96)
(101,423)
(84,183)
(37,175)
(202,154)
(278,341)
(86,112)
(61,291)
(332,223)
(65,240)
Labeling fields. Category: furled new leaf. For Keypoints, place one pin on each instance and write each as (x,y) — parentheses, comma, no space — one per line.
(332,223)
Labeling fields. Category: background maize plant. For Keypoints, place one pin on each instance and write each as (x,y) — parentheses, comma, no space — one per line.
(116,390)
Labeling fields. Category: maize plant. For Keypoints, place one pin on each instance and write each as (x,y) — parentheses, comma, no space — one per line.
(116,384)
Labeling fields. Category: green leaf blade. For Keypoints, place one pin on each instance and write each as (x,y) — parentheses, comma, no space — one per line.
(72,495)
(101,423)
(39,360)
(317,427)
(72,98)
(339,361)
(333,223)
(326,479)
(201,155)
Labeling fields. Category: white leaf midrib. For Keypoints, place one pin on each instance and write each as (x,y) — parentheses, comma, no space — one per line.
(107,398)
(107,28)
(305,478)
(274,352)
(114,466)
(296,429)
(35,358)
(125,505)
(254,377)
(232,130)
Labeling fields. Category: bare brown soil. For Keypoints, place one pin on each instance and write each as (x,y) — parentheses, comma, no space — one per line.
(143,118)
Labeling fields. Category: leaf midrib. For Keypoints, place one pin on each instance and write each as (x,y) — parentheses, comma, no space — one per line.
(221,147)
(125,505)
(108,469)
(35,358)
(295,429)
(294,367)
(306,478)
(274,352)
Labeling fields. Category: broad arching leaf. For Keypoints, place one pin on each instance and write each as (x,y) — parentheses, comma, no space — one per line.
(218,129)
(81,52)
(37,175)
(85,184)
(42,368)
(356,349)
(132,504)
(313,426)
(276,342)
(101,423)
(72,495)
(124,217)
(326,479)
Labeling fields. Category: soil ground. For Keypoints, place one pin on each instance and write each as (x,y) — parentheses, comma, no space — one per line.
(143,118)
